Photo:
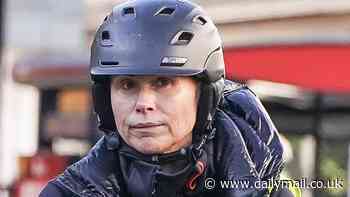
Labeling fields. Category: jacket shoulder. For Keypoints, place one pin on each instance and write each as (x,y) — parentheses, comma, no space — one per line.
(97,174)
(238,99)
(55,189)
(245,123)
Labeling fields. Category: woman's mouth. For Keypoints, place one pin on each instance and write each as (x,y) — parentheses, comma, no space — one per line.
(142,130)
(145,125)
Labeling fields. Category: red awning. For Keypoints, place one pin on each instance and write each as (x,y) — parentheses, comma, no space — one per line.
(324,68)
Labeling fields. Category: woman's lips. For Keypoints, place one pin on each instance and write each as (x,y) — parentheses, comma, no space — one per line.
(143,130)
(145,125)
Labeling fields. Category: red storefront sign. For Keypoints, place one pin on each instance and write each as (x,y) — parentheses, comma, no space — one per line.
(324,68)
(39,169)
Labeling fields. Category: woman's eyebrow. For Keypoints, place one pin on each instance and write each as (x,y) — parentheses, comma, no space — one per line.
(118,79)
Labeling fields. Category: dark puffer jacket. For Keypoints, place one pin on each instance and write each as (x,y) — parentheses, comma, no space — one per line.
(245,147)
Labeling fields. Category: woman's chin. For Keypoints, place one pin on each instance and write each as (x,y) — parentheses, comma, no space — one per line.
(148,146)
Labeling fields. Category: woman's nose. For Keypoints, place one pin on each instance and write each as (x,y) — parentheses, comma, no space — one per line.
(145,101)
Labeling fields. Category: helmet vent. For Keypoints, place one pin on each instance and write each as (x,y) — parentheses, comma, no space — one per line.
(105,18)
(129,11)
(199,20)
(186,37)
(165,11)
(109,63)
(106,39)
(106,35)
(182,38)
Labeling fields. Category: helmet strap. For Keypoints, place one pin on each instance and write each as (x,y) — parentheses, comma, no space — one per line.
(209,100)
(102,103)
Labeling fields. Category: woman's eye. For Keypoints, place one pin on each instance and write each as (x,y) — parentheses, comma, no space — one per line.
(163,82)
(127,84)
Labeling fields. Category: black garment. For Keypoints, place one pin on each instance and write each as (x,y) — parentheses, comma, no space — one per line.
(245,146)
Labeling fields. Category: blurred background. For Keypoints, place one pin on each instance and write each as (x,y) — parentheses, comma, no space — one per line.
(295,54)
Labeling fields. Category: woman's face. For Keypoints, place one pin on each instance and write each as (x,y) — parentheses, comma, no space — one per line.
(154,114)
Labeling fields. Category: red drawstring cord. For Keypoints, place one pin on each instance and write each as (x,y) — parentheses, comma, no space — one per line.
(191,183)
